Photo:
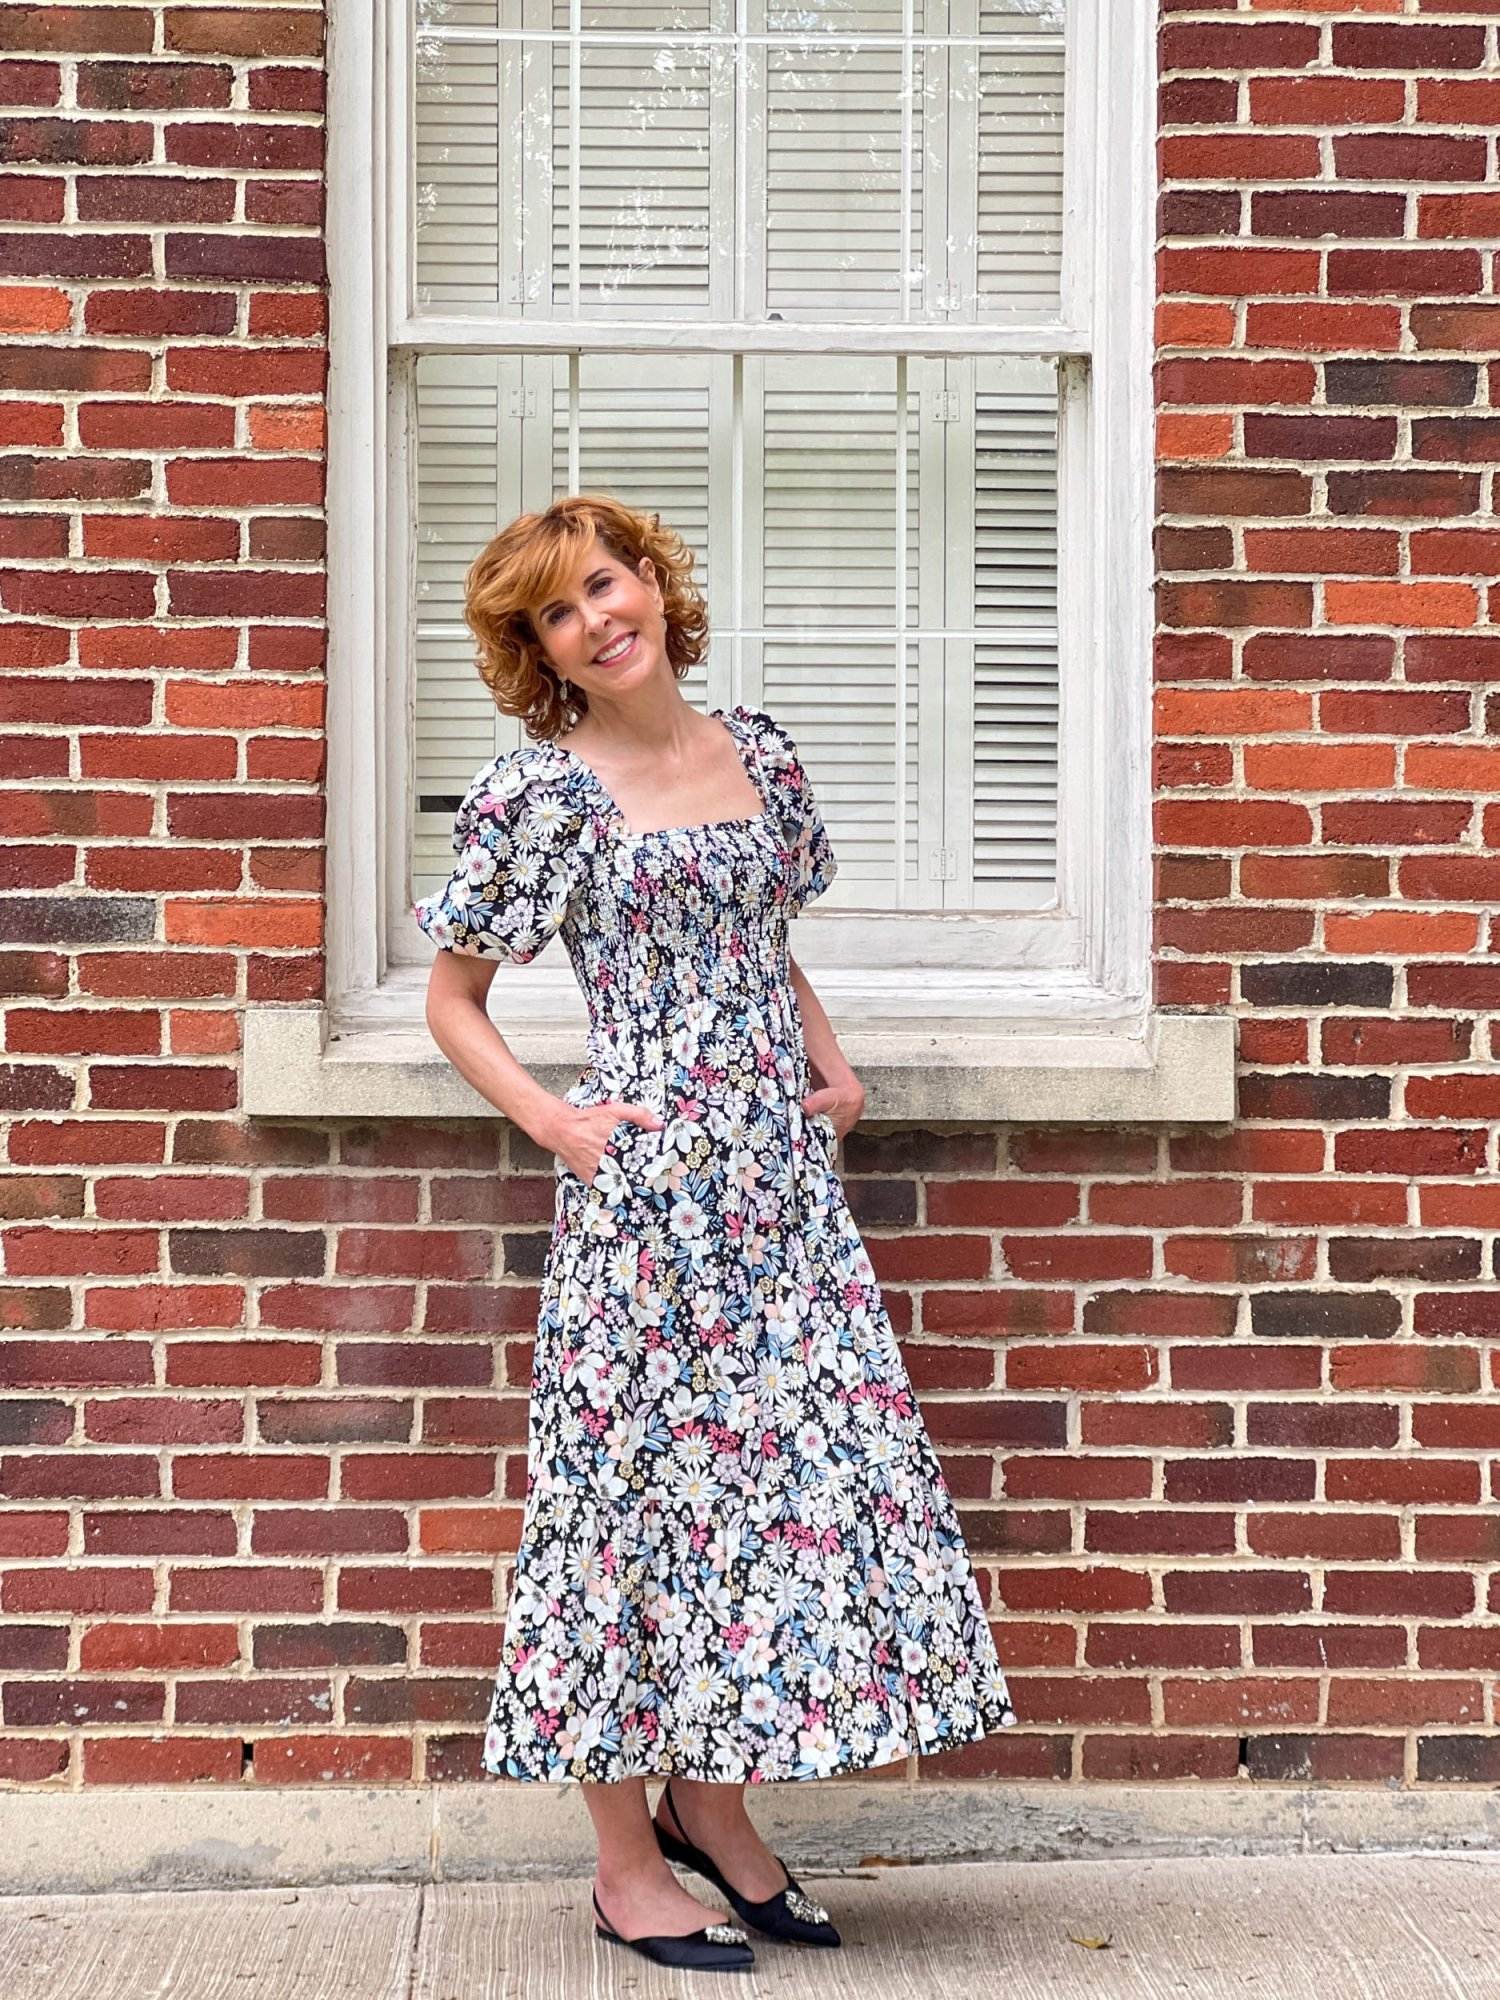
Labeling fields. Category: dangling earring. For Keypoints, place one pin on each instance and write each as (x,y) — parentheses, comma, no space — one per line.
(565,689)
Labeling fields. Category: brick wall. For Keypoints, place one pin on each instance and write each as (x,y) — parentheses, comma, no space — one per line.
(1220,1405)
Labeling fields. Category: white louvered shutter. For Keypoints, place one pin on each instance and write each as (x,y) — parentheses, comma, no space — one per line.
(842,217)
(1005,111)
(465,486)
(1002,698)
(642,190)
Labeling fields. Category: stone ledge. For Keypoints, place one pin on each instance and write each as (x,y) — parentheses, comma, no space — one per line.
(1178,1070)
(240,1836)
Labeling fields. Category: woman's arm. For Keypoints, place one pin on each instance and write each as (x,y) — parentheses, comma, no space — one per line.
(463,1030)
(838,1091)
(460,1025)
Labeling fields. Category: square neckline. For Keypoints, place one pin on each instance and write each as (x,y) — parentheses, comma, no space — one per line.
(751,765)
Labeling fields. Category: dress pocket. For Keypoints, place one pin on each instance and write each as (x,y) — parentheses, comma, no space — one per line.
(606,1174)
(822,1122)
(607,1167)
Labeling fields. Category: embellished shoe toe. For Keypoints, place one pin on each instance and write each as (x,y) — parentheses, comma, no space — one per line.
(715,1948)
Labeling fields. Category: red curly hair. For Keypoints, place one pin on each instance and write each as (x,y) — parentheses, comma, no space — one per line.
(529,561)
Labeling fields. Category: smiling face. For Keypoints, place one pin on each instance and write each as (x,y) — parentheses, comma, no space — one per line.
(604,630)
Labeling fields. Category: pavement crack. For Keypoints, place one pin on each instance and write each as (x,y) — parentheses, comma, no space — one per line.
(413,1956)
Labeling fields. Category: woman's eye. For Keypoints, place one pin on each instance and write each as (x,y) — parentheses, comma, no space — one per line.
(599,583)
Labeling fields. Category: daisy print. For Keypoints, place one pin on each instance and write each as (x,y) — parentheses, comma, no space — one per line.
(738,1557)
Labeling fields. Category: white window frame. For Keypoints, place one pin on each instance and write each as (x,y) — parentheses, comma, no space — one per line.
(1059,1034)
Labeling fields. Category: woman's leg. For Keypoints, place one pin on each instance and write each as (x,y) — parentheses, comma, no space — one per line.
(638,1893)
(714,1818)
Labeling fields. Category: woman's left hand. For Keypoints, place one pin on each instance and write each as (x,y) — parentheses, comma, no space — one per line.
(843,1102)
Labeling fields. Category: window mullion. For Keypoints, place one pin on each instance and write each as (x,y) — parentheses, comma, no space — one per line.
(751,72)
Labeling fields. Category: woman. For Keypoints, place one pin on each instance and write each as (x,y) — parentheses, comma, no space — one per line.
(738,1560)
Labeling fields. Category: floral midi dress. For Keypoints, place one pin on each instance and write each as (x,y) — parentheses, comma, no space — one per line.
(738,1557)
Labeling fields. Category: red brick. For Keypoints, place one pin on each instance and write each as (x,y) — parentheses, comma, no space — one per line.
(1077,1366)
(1055,1258)
(1231,711)
(1160,1205)
(1329,1201)
(1246,1701)
(1397,1482)
(155,313)
(265,31)
(1237,1366)
(1158,1531)
(81,30)
(30,83)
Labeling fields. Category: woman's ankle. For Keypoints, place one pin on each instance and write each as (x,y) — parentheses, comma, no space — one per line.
(708,1809)
(630,1874)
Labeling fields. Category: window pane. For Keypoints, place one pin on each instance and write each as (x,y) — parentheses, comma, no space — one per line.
(497,435)
(642,429)
(516,202)
(457,206)
(842,698)
(1018,247)
(1022,17)
(458,502)
(457,13)
(642,17)
(803,171)
(836,132)
(822,513)
(644,172)
(833,17)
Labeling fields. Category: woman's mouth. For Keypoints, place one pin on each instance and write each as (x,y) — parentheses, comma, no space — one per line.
(617,650)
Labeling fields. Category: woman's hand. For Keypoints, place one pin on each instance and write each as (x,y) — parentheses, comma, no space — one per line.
(844,1102)
(840,1094)
(585,1131)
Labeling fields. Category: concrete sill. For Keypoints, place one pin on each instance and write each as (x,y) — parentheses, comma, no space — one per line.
(1179,1069)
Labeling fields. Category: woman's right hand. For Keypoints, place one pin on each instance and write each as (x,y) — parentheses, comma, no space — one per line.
(585,1131)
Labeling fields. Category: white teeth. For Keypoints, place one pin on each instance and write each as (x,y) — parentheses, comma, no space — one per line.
(614,652)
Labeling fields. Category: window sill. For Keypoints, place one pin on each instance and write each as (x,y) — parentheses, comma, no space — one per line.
(1173,1068)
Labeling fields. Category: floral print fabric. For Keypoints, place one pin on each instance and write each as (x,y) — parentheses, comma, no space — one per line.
(738,1558)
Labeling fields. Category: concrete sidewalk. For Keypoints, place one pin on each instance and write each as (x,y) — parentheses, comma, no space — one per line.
(1303,1927)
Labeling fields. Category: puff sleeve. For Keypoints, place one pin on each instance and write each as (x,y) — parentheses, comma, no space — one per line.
(517,842)
(790,793)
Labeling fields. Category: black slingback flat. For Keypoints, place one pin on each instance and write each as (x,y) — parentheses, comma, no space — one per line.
(716,1948)
(790,1916)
